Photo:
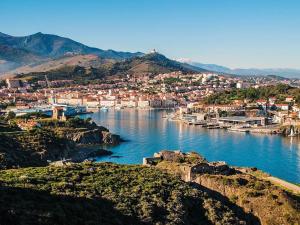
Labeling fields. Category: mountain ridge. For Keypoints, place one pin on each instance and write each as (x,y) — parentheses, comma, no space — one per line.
(54,46)
(39,48)
(285,72)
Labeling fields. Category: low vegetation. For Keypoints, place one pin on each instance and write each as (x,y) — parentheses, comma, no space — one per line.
(105,194)
(49,141)
(32,148)
(255,195)
(138,66)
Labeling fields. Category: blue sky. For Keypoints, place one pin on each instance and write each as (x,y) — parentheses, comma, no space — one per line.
(234,33)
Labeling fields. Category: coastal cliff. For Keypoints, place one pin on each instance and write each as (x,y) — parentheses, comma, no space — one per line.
(82,131)
(50,141)
(271,204)
(32,148)
(90,136)
(246,188)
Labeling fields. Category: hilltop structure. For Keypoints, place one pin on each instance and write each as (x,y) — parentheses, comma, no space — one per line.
(188,165)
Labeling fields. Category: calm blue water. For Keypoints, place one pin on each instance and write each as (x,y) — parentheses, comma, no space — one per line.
(147,132)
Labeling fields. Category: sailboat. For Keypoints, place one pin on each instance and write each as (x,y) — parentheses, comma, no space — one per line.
(104,108)
(292,132)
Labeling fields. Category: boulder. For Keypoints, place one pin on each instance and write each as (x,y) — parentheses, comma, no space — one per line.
(94,136)
(87,137)
(109,138)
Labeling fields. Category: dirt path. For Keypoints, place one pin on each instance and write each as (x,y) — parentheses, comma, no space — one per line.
(293,187)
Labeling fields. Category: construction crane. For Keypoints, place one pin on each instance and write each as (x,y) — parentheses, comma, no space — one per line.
(49,88)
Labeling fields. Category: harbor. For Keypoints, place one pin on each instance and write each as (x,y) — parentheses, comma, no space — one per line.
(232,124)
(146,132)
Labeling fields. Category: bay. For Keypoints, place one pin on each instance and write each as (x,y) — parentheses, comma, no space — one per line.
(146,132)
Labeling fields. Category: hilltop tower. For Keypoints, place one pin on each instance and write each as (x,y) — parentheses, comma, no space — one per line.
(153,51)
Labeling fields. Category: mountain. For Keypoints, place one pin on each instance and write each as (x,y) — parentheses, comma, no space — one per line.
(54,46)
(285,72)
(18,55)
(11,58)
(211,67)
(60,63)
(39,48)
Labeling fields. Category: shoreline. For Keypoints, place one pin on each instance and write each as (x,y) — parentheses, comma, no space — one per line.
(270,168)
(190,165)
(268,129)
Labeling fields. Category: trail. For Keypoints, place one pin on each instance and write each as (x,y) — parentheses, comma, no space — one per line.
(285,184)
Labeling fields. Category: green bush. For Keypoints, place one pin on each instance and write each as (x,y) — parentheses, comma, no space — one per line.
(105,193)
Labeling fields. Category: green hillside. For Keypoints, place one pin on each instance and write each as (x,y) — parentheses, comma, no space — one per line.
(150,64)
(105,194)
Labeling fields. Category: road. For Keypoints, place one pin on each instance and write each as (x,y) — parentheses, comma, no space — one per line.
(293,187)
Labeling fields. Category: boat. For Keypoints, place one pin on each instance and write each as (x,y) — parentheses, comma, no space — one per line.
(292,132)
(239,129)
(119,107)
(169,116)
(104,108)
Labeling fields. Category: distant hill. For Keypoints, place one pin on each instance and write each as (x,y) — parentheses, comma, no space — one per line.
(18,55)
(153,63)
(210,67)
(54,46)
(92,68)
(39,47)
(74,60)
(284,72)
(11,58)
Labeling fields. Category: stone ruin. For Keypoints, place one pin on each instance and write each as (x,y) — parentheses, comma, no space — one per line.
(190,164)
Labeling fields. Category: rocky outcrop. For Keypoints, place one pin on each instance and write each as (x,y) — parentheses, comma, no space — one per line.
(109,138)
(246,188)
(86,136)
(89,153)
(93,136)
(272,205)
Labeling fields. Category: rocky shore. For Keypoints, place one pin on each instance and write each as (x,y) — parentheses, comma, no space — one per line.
(268,199)
(94,136)
(89,153)
(75,139)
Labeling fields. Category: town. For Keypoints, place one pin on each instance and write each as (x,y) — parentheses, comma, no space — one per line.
(149,112)
(189,95)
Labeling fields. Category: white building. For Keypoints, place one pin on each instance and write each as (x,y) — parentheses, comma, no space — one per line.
(92,103)
(239,85)
(107,103)
(143,104)
(129,103)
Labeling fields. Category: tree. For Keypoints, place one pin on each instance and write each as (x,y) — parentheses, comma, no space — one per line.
(10,115)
